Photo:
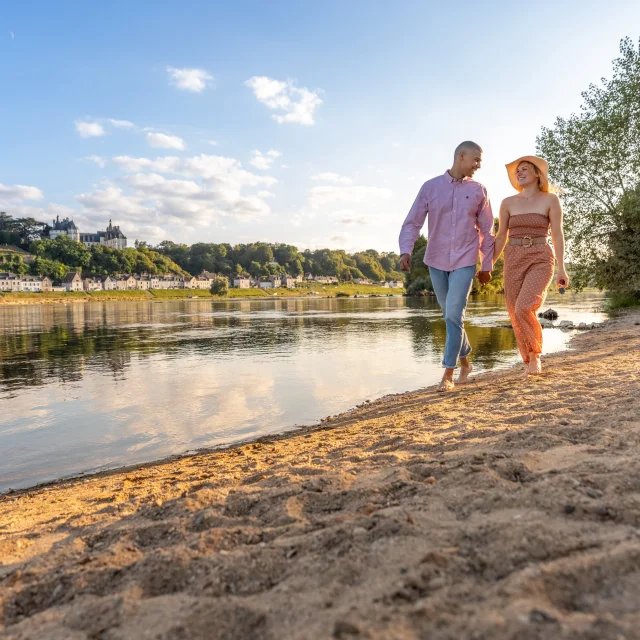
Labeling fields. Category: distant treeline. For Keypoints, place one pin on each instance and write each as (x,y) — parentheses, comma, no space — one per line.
(55,258)
(263,259)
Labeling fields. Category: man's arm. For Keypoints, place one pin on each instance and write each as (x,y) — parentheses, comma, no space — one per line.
(414,222)
(487,238)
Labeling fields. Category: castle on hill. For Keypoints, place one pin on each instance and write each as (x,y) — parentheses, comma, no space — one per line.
(112,237)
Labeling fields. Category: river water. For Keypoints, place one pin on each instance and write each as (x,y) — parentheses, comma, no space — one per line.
(85,387)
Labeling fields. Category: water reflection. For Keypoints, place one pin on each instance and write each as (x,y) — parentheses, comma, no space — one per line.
(86,386)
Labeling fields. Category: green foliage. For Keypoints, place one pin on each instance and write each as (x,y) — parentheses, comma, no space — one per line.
(260,259)
(420,286)
(19,231)
(220,286)
(594,160)
(619,271)
(50,268)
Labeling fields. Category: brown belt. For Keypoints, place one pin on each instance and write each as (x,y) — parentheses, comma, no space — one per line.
(528,241)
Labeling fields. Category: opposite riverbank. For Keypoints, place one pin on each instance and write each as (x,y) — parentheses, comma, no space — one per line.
(326,291)
(507,509)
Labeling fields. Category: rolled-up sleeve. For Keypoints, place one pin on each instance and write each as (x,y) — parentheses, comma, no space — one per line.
(414,222)
(487,237)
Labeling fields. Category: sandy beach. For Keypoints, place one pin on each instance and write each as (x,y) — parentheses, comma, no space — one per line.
(507,509)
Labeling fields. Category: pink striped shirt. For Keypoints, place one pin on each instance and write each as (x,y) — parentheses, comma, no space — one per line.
(460,224)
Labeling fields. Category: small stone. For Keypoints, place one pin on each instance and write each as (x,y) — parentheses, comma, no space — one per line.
(158,502)
(549,314)
(404,570)
(359,531)
(564,423)
(291,553)
(566,324)
(430,480)
(546,324)
(57,591)
(344,628)
(605,512)
(395,528)
(329,418)
(538,615)
(569,508)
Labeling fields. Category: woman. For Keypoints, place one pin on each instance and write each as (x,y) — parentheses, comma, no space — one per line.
(525,219)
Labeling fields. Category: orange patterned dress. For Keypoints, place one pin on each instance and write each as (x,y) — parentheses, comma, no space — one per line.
(528,272)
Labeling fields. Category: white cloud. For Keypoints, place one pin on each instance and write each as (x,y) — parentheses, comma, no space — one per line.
(12,35)
(101,162)
(20,192)
(213,143)
(90,129)
(207,188)
(349,216)
(332,177)
(112,200)
(296,105)
(194,80)
(165,141)
(166,164)
(263,161)
(325,195)
(121,124)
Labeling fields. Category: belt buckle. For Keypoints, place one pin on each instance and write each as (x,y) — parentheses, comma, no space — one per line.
(530,239)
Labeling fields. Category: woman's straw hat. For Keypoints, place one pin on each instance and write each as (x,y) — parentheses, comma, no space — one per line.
(541,164)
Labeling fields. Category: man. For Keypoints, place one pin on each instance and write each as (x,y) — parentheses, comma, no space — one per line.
(460,226)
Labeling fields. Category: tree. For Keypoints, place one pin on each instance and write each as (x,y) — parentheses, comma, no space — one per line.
(619,272)
(219,286)
(594,160)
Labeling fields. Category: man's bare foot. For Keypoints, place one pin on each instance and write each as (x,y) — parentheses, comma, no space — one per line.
(535,366)
(465,372)
(446,384)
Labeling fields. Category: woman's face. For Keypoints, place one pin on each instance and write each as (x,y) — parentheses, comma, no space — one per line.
(526,174)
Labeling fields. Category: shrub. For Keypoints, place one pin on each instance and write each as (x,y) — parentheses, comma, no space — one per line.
(220,286)
(420,286)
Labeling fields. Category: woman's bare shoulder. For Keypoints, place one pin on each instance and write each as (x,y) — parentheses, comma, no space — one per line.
(508,201)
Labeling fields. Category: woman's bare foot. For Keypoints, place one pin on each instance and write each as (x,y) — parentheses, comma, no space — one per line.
(465,372)
(535,366)
(525,371)
(446,384)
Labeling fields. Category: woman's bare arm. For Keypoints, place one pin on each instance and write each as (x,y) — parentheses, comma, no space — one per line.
(557,235)
(503,231)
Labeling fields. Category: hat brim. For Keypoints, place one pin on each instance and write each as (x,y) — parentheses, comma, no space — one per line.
(541,164)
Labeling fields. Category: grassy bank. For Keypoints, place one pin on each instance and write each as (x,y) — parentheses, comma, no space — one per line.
(328,291)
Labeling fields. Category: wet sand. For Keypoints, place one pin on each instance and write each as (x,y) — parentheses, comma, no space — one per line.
(507,509)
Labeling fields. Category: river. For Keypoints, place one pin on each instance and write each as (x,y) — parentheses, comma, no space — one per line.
(90,386)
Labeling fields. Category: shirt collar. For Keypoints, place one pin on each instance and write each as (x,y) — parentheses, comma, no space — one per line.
(450,178)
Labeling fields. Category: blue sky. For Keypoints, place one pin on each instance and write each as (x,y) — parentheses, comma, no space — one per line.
(308,123)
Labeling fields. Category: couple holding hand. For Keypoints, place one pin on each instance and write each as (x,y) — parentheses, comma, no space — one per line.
(460,229)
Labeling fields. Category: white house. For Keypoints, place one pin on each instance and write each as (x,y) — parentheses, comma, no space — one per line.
(34,284)
(110,283)
(241,282)
(363,281)
(92,284)
(265,284)
(288,282)
(276,281)
(143,283)
(126,282)
(72,281)
(396,284)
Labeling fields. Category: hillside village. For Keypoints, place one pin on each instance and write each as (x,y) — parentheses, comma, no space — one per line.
(10,282)
(14,279)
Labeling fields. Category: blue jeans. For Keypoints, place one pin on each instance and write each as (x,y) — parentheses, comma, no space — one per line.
(452,290)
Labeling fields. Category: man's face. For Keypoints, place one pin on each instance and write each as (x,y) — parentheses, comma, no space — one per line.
(471,162)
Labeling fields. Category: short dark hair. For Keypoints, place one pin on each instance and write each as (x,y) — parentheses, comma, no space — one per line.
(467,145)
